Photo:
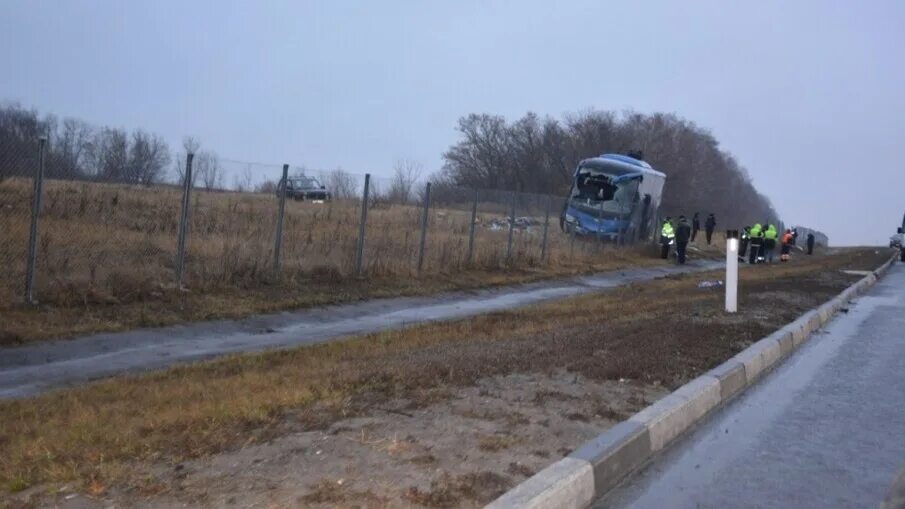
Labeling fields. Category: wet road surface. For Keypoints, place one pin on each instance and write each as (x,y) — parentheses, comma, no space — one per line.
(825,430)
(37,367)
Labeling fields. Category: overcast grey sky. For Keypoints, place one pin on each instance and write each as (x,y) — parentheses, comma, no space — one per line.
(807,94)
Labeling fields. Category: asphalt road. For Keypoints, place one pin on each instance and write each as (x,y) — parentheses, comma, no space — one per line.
(826,429)
(37,367)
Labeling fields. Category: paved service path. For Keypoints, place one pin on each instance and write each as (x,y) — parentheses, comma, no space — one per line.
(36,367)
(825,430)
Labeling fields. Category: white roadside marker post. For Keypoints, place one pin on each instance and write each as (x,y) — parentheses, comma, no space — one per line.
(731,271)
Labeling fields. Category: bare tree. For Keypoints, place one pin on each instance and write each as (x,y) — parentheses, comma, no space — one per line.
(148,156)
(72,143)
(540,156)
(405,173)
(111,155)
(190,145)
(341,184)
(479,159)
(377,194)
(77,150)
(19,131)
(268,186)
(209,169)
(243,182)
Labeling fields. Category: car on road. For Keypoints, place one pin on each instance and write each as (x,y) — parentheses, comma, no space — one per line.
(304,188)
(898,241)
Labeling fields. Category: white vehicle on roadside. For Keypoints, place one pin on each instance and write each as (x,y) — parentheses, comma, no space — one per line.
(897,240)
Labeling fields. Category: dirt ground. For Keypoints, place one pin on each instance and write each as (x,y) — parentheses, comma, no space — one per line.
(459,452)
(454,423)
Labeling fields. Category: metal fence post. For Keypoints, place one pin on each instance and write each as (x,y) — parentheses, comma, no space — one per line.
(184,219)
(33,234)
(474,216)
(359,255)
(543,249)
(424,218)
(511,228)
(278,242)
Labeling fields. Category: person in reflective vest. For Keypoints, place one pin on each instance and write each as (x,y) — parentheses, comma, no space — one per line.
(757,240)
(787,239)
(667,237)
(770,237)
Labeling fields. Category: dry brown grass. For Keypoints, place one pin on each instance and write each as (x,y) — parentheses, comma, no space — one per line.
(496,443)
(449,491)
(664,331)
(107,254)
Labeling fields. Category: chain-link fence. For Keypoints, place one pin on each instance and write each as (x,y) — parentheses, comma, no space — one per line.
(109,242)
(15,219)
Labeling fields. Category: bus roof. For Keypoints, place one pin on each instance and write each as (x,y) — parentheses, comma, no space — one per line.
(620,163)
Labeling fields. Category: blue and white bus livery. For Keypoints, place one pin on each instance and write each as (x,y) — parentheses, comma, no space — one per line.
(611,196)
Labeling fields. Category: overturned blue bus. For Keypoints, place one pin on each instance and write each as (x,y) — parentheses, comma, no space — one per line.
(613,197)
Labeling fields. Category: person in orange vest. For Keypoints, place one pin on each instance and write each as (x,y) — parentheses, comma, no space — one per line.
(787,238)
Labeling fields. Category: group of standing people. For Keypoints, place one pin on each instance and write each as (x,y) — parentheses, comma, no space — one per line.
(762,240)
(681,232)
(709,226)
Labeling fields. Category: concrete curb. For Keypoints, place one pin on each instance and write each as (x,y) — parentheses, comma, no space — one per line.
(601,463)
(568,483)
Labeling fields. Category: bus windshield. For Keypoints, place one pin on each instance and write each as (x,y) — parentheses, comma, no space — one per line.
(595,193)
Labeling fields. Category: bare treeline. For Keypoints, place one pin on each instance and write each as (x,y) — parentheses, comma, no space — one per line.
(78,150)
(531,154)
(206,167)
(539,155)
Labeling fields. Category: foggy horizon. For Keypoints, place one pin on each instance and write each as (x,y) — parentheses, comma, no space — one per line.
(806,96)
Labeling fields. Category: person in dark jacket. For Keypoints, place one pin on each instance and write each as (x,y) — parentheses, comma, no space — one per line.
(811,243)
(683,233)
(709,226)
(695,225)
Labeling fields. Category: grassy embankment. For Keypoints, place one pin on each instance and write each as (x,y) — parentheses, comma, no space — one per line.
(107,253)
